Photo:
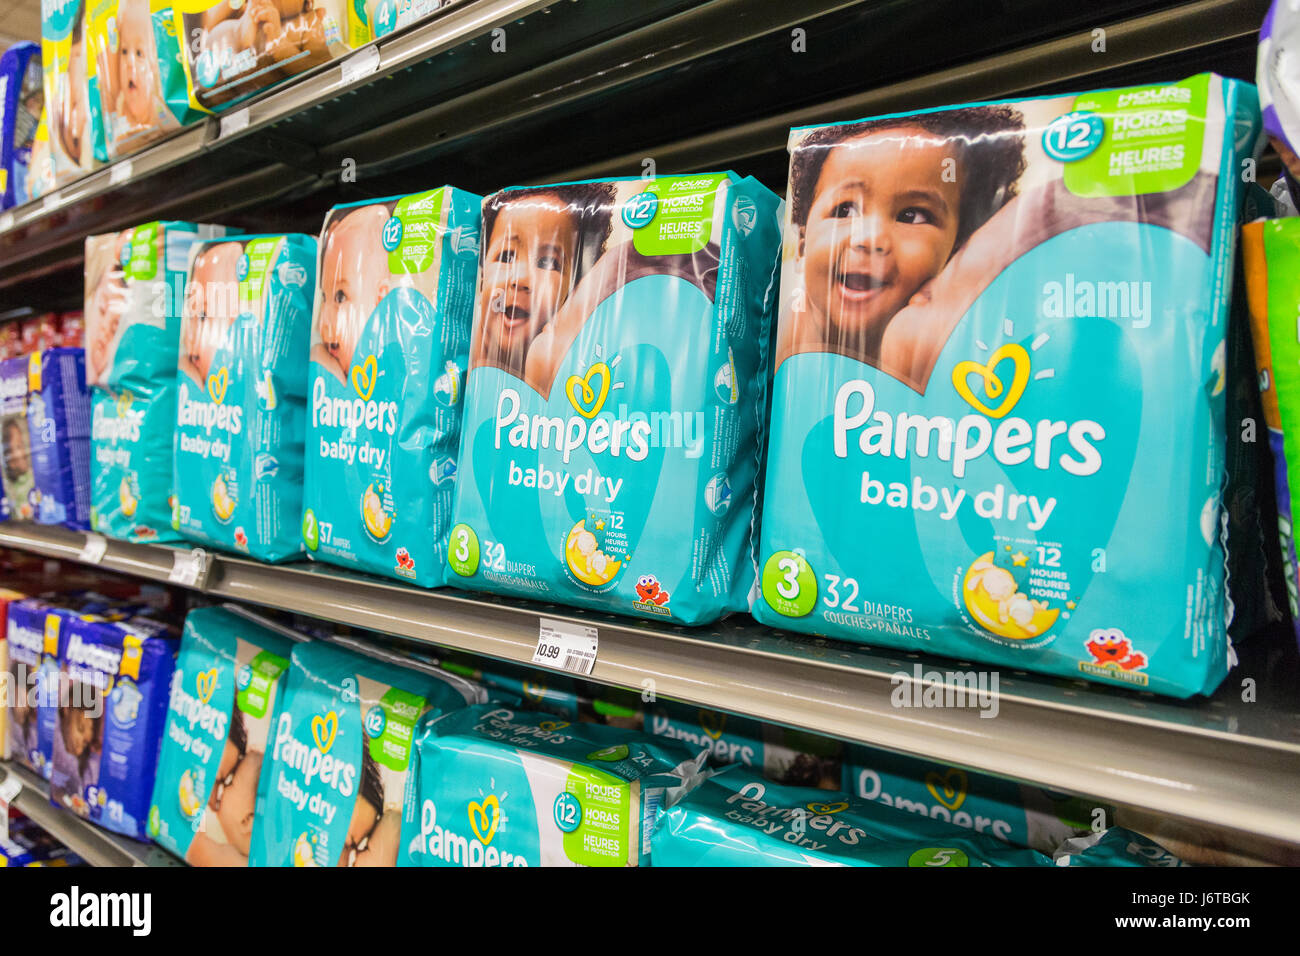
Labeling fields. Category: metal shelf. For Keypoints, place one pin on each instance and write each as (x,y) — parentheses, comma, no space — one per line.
(97,847)
(1228,764)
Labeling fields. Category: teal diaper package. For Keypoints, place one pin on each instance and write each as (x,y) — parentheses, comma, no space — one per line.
(242,394)
(501,787)
(998,417)
(389,350)
(135,290)
(554,693)
(224,697)
(340,757)
(614,412)
(736,819)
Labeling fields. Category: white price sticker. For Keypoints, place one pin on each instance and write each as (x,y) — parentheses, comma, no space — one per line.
(566,646)
(10,787)
(92,552)
(232,123)
(52,202)
(120,172)
(360,64)
(6,221)
(190,568)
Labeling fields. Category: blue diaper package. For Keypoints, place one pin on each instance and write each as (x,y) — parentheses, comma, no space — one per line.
(389,350)
(225,694)
(110,727)
(21,96)
(340,756)
(135,291)
(615,405)
(497,786)
(58,419)
(242,391)
(946,471)
(15,440)
(25,635)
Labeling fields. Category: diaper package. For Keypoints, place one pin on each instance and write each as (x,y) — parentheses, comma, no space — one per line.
(341,755)
(385,16)
(29,845)
(58,419)
(946,471)
(614,410)
(1271,255)
(224,697)
(736,819)
(389,349)
(12,693)
(110,725)
(40,170)
(72,100)
(548,691)
(25,640)
(1279,82)
(135,290)
(15,438)
(502,787)
(235,50)
(21,95)
(242,392)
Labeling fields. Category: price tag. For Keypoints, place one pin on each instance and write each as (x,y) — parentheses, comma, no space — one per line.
(10,787)
(360,64)
(52,202)
(120,172)
(92,552)
(6,221)
(190,568)
(232,123)
(566,647)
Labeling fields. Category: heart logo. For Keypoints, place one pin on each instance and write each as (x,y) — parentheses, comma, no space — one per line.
(828,808)
(364,377)
(993,385)
(483,823)
(124,404)
(217,385)
(949,789)
(206,682)
(585,399)
(533,690)
(324,729)
(550,726)
(712,723)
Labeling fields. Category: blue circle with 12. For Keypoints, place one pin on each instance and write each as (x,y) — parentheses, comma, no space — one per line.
(376,721)
(243,677)
(640,209)
(568,812)
(1073,136)
(392,233)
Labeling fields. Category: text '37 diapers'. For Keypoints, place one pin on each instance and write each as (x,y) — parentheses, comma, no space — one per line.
(339,757)
(224,697)
(241,394)
(500,787)
(613,418)
(998,412)
(389,349)
(135,291)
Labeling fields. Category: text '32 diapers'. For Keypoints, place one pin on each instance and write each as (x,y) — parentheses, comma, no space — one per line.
(613,418)
(500,787)
(389,349)
(58,421)
(135,291)
(241,394)
(998,410)
(340,754)
(224,696)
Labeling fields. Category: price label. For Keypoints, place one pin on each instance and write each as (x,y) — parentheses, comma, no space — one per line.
(52,202)
(120,172)
(92,552)
(190,568)
(566,646)
(359,65)
(232,123)
(6,221)
(10,787)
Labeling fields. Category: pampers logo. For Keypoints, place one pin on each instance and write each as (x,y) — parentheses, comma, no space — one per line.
(124,427)
(466,849)
(793,824)
(949,791)
(196,711)
(708,736)
(359,412)
(196,413)
(313,763)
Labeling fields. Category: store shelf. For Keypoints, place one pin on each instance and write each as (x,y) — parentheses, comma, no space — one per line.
(1226,763)
(97,847)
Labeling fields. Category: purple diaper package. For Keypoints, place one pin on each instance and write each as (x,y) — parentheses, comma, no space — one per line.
(58,421)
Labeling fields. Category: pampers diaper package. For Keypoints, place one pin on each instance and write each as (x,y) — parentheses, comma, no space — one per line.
(998,413)
(135,290)
(15,440)
(613,415)
(225,693)
(72,102)
(340,756)
(21,96)
(500,787)
(389,350)
(58,419)
(241,394)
